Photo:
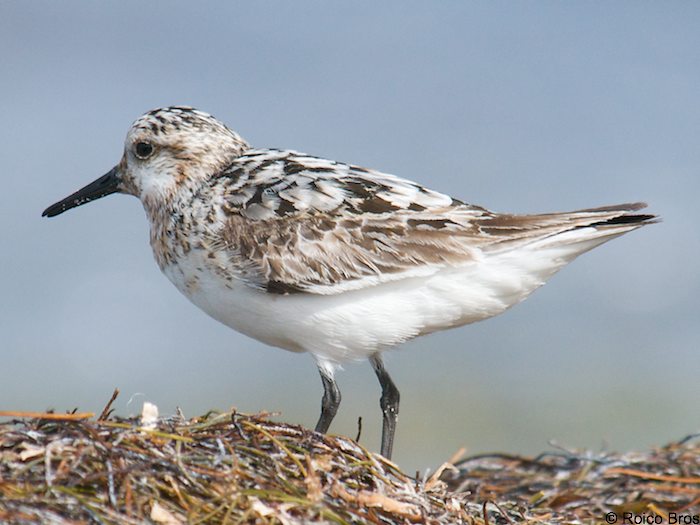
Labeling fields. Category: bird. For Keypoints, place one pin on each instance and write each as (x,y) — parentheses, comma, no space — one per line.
(339,261)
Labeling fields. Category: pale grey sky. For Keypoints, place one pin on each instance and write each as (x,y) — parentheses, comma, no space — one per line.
(521,107)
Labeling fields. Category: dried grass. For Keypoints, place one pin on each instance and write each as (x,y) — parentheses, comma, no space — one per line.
(228,468)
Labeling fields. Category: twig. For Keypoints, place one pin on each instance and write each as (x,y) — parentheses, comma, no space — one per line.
(47,415)
(650,476)
(108,407)
(485,514)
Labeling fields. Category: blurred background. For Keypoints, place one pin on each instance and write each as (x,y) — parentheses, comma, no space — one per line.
(519,107)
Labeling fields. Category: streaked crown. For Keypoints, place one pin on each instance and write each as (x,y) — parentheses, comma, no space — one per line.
(173,144)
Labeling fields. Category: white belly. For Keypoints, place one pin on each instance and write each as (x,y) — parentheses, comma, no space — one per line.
(355,324)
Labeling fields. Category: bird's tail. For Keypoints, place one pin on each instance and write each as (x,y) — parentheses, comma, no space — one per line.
(579,230)
(537,246)
(583,230)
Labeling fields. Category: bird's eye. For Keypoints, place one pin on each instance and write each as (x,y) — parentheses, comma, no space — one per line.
(143,150)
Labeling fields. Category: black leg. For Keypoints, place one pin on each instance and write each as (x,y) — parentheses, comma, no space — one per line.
(389,403)
(329,403)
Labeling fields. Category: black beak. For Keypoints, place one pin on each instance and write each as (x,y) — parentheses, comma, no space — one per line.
(105,185)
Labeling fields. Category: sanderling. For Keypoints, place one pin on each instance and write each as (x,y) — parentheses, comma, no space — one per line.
(313,255)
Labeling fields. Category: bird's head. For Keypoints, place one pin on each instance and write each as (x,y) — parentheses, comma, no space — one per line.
(164,149)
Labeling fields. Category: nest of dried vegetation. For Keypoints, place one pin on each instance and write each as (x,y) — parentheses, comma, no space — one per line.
(228,468)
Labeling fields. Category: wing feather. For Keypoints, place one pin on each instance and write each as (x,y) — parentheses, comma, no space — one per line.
(300,224)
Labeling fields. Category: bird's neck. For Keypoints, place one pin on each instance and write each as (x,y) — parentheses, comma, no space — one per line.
(170,221)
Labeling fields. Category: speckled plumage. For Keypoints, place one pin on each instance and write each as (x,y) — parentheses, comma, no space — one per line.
(309,254)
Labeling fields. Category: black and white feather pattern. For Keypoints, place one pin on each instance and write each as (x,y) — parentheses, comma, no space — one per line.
(295,223)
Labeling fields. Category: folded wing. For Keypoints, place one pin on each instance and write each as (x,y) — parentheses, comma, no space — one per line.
(299,224)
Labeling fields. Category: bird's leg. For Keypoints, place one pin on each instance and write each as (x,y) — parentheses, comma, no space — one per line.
(330,401)
(389,403)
